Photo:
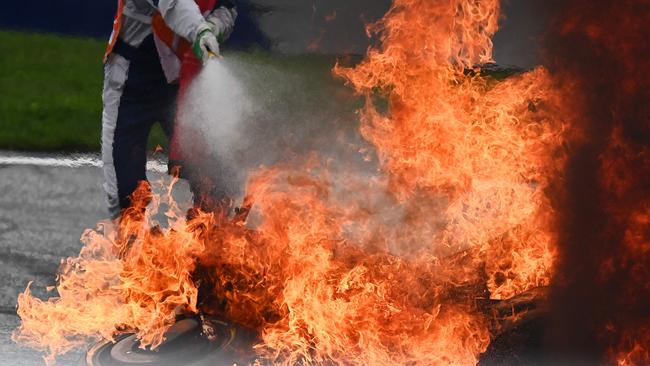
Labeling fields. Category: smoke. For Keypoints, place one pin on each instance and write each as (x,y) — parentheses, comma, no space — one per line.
(600,310)
(210,123)
(250,110)
(217,105)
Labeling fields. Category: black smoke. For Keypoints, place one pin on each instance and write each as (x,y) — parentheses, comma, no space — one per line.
(601,299)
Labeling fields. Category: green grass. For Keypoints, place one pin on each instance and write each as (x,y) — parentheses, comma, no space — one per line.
(50,92)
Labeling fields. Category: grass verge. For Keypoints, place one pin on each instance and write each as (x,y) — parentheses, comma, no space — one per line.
(50,92)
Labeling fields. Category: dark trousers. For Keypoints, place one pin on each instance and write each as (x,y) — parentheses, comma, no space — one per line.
(146,98)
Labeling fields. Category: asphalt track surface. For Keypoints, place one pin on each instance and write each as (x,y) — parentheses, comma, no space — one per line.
(44,209)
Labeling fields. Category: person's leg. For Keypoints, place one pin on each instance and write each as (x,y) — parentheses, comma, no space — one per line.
(115,76)
(129,149)
(134,95)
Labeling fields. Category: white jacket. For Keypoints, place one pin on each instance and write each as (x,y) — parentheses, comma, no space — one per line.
(182,16)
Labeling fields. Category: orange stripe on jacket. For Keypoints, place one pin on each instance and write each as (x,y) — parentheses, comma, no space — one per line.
(176,43)
(117,25)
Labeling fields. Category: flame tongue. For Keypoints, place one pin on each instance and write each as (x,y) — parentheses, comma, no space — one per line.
(482,148)
(336,274)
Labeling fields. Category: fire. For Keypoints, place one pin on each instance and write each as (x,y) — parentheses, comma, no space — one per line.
(134,278)
(347,268)
(486,149)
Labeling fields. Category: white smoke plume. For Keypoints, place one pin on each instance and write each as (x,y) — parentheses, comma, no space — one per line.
(248,110)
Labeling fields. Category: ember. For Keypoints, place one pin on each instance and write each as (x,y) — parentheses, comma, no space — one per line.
(407,266)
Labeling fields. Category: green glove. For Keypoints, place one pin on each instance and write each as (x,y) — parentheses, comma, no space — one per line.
(206,44)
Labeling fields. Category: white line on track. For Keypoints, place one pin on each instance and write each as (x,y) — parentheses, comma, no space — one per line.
(68,161)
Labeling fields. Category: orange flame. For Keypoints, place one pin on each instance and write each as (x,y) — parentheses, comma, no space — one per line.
(484,149)
(377,270)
